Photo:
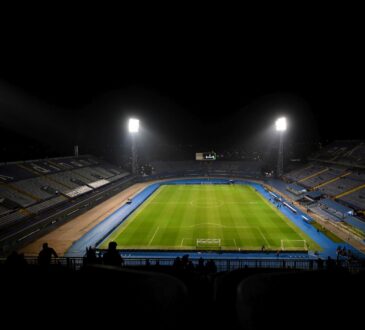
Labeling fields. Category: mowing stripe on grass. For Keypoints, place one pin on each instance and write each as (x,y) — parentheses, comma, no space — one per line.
(177,215)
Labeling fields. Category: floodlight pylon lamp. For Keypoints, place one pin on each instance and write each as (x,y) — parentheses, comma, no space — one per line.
(280,124)
(133,125)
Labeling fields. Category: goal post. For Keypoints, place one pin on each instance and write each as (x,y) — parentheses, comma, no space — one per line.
(208,244)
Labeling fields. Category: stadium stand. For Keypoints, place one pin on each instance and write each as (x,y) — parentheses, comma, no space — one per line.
(355,222)
(11,218)
(355,199)
(304,173)
(318,180)
(337,173)
(173,297)
(356,156)
(105,173)
(212,168)
(336,150)
(335,208)
(12,172)
(68,179)
(87,174)
(32,187)
(147,299)
(256,309)
(8,192)
(46,204)
(36,187)
(118,177)
(40,167)
(4,210)
(296,189)
(314,195)
(343,184)
(335,181)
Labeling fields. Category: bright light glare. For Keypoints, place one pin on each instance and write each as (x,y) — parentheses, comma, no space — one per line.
(281,124)
(133,125)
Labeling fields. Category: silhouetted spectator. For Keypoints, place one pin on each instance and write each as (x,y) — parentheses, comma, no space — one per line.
(185,261)
(190,266)
(91,256)
(15,260)
(211,267)
(330,263)
(177,263)
(45,255)
(200,264)
(112,256)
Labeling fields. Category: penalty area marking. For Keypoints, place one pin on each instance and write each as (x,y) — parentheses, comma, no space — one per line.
(263,236)
(149,243)
(217,225)
(186,238)
(207,205)
(244,203)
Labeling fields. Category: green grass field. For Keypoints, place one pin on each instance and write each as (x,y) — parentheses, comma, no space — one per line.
(226,217)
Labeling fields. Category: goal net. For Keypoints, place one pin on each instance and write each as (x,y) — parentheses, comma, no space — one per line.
(208,244)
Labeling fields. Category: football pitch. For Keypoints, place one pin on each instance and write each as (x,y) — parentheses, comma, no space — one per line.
(209,217)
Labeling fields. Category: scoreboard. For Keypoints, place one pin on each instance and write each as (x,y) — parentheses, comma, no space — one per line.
(206,155)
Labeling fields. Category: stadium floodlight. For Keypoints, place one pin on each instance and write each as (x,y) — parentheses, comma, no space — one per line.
(281,128)
(133,125)
(281,124)
(133,128)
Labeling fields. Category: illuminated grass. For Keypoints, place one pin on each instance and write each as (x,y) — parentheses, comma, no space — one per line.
(176,216)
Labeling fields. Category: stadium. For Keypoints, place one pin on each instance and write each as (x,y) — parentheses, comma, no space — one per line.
(218,209)
(192,197)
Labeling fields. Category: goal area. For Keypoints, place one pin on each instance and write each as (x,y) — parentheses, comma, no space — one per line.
(208,244)
(294,245)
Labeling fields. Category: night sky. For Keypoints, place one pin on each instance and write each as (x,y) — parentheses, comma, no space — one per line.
(208,86)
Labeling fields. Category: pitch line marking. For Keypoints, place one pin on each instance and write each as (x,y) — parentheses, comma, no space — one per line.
(149,243)
(305,246)
(182,242)
(217,225)
(207,205)
(130,218)
(263,236)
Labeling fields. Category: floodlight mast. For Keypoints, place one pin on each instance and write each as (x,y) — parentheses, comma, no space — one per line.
(133,127)
(281,128)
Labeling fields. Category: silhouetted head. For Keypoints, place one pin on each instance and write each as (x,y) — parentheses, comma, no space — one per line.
(45,245)
(112,246)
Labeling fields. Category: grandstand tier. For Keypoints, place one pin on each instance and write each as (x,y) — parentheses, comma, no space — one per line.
(30,187)
(335,181)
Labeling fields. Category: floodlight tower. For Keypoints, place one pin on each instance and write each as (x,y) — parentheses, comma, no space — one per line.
(133,128)
(280,125)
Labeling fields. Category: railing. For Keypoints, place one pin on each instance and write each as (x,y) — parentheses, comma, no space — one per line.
(75,264)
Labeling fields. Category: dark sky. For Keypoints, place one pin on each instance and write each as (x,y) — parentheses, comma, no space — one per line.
(210,85)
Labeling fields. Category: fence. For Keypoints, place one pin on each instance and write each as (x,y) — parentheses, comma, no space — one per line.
(221,264)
